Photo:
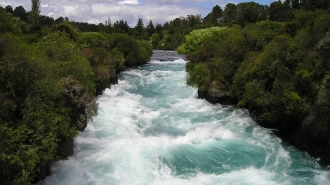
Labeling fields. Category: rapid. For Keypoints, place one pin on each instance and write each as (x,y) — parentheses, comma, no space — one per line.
(152,130)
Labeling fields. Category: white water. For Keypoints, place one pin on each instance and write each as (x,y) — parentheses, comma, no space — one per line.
(151,129)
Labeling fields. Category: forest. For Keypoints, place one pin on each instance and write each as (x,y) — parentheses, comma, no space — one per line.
(271,59)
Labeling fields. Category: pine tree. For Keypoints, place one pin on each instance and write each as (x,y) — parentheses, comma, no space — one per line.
(139,29)
(150,28)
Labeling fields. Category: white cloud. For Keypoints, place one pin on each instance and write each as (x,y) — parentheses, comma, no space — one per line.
(96,11)
(131,13)
(128,2)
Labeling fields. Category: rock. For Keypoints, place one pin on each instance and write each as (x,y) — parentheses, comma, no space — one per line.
(217,93)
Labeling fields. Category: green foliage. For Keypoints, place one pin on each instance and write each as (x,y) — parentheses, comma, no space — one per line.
(37,104)
(249,12)
(34,14)
(295,105)
(139,30)
(81,101)
(93,39)
(181,49)
(199,76)
(219,49)
(254,95)
(155,39)
(134,52)
(67,28)
(196,38)
(145,50)
(21,13)
(230,13)
(49,76)
(273,68)
(215,16)
(7,23)
(23,152)
(323,49)
(280,11)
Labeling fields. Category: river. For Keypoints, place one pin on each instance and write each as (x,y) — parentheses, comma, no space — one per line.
(152,130)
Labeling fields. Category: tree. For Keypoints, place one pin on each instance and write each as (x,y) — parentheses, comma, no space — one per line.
(314,4)
(107,26)
(139,30)
(294,4)
(193,20)
(215,16)
(150,28)
(121,26)
(279,11)
(230,13)
(6,24)
(21,13)
(9,9)
(59,20)
(216,13)
(45,20)
(158,28)
(35,12)
(248,12)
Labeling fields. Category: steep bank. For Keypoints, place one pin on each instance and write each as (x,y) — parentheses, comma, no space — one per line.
(108,55)
(48,94)
(311,135)
(278,71)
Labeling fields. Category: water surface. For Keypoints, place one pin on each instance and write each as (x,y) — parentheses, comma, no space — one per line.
(151,129)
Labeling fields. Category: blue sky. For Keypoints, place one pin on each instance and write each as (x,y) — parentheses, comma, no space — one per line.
(96,11)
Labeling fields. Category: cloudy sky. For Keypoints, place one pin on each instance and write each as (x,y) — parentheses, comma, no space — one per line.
(96,11)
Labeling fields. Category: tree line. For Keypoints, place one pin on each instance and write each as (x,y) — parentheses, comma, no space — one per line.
(171,34)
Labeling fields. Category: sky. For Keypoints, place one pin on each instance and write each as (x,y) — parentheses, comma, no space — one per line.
(98,11)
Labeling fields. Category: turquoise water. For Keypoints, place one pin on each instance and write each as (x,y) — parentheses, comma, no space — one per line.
(151,129)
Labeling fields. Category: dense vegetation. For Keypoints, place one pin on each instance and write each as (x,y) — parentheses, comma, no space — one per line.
(276,65)
(49,77)
(273,60)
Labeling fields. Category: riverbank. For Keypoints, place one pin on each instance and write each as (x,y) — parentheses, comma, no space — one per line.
(306,137)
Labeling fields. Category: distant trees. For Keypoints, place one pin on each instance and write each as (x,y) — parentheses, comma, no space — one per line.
(121,27)
(59,20)
(107,26)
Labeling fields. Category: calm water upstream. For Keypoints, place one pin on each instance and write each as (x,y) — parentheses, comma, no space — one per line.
(152,130)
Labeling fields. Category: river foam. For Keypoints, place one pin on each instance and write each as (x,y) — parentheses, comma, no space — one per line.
(151,129)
